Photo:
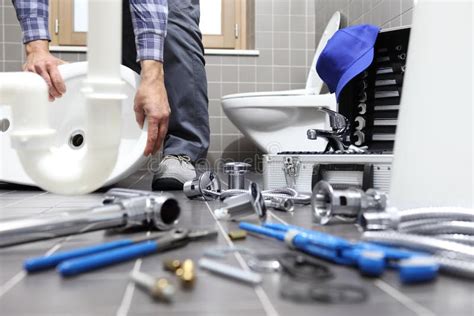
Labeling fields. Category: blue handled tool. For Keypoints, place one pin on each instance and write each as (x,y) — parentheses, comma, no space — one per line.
(371,259)
(46,262)
(174,239)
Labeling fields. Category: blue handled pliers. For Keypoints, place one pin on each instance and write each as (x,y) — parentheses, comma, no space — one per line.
(81,260)
(371,259)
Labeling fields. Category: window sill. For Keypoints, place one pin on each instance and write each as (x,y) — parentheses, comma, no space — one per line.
(210,52)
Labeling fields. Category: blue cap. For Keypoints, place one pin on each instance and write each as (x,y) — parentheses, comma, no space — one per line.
(349,52)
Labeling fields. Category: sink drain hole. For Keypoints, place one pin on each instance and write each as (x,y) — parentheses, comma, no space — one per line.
(76,140)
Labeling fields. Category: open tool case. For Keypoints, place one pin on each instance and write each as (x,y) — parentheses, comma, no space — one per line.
(371,103)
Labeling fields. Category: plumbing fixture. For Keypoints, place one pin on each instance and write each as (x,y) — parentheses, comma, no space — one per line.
(349,203)
(156,211)
(280,204)
(245,204)
(32,137)
(206,186)
(159,288)
(186,274)
(236,172)
(339,125)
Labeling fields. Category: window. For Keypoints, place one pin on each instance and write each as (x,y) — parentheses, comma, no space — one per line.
(225,24)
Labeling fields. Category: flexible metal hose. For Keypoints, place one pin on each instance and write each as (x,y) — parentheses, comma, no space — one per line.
(452,257)
(436,228)
(421,243)
(286,193)
(460,238)
(451,213)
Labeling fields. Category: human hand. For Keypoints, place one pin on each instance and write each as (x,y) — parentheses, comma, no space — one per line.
(39,60)
(151,103)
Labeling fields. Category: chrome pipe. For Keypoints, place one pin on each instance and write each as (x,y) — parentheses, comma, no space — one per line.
(158,212)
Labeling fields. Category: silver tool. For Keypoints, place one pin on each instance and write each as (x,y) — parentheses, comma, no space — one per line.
(251,202)
(281,204)
(159,288)
(207,186)
(230,271)
(381,122)
(159,211)
(362,107)
(386,94)
(383,137)
(236,174)
(348,204)
(359,138)
(359,123)
(386,107)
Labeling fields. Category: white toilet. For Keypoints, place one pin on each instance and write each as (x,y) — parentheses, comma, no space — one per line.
(67,115)
(277,121)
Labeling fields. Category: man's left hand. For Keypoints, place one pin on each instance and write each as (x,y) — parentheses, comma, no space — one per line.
(151,103)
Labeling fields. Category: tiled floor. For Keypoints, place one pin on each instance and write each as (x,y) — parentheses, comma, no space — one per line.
(108,291)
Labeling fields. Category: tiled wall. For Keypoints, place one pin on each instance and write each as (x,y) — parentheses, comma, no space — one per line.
(384,13)
(285,32)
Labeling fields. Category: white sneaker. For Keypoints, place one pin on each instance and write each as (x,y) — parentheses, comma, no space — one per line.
(173,172)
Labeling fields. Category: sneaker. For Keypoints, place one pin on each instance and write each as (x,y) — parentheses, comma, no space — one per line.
(173,172)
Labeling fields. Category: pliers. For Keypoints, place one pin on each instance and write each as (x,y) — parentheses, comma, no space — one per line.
(85,259)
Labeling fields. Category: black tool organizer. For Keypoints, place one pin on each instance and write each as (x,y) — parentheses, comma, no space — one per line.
(371,100)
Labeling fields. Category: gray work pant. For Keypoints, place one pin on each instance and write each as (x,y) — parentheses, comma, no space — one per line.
(185,77)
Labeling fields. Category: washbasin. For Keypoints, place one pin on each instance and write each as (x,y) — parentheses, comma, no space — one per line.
(67,116)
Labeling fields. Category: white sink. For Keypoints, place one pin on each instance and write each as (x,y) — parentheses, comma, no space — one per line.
(67,116)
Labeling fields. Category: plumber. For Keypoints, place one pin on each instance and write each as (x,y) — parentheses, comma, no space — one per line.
(161,41)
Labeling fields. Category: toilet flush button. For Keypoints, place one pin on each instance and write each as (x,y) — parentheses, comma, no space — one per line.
(4,125)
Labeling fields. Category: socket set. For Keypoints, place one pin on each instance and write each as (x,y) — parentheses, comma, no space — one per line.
(371,100)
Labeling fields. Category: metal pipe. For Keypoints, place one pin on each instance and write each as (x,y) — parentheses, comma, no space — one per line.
(236,174)
(159,211)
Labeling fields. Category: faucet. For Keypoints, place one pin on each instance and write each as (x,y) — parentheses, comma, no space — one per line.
(339,127)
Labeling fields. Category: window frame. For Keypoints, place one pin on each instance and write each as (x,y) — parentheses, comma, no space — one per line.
(237,22)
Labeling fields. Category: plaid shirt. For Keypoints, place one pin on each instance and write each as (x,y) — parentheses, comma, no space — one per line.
(149,18)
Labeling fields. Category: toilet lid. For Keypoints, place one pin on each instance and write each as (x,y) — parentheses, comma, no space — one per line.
(314,83)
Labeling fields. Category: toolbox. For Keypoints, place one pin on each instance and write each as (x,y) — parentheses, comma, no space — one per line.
(370,102)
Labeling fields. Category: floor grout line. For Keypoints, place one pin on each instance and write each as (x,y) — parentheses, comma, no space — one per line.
(126,303)
(27,199)
(261,294)
(403,299)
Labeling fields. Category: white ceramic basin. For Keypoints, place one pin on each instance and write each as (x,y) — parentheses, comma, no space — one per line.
(67,116)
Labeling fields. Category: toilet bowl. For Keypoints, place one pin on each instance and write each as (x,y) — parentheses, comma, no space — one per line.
(67,115)
(277,121)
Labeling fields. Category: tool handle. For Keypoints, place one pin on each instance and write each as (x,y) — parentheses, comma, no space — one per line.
(46,262)
(92,262)
(262,230)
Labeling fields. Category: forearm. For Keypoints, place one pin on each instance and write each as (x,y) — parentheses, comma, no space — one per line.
(33,17)
(150,19)
(152,70)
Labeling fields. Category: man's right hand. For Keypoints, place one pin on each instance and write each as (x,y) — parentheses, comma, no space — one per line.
(39,60)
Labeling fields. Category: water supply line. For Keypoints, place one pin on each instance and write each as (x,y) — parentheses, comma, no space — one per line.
(57,169)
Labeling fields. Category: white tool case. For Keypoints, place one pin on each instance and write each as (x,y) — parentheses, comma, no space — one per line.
(301,171)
